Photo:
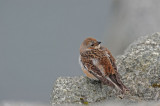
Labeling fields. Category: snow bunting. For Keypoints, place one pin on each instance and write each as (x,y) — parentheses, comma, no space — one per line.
(98,64)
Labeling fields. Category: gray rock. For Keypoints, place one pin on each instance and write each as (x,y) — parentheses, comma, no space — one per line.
(82,90)
(77,90)
(139,68)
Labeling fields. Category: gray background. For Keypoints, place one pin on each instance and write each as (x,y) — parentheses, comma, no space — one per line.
(40,39)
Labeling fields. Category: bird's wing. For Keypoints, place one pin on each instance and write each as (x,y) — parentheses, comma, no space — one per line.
(110,69)
(91,67)
(111,58)
(101,64)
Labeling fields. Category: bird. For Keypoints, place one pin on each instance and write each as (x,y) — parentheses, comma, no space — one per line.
(98,64)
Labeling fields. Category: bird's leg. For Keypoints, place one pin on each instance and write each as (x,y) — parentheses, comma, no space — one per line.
(104,80)
(99,82)
(101,85)
(94,81)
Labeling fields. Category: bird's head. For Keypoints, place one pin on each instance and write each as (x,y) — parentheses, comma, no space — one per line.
(89,44)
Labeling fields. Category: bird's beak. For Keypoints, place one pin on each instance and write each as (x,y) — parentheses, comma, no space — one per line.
(98,45)
(99,42)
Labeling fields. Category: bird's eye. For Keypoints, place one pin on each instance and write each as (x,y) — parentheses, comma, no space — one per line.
(92,44)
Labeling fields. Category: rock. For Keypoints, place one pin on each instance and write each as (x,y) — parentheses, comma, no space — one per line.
(139,68)
(82,90)
(77,90)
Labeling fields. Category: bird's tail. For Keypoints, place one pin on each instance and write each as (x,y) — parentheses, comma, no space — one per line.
(118,83)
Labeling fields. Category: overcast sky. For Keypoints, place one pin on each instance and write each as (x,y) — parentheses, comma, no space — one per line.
(39,41)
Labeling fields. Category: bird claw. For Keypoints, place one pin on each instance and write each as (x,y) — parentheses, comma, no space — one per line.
(121,96)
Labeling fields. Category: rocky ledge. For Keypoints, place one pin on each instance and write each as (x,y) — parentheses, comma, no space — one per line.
(139,67)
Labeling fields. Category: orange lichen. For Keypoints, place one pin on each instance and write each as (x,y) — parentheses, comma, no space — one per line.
(83,101)
(156,85)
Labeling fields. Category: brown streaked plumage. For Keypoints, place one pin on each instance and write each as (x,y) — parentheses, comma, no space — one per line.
(98,64)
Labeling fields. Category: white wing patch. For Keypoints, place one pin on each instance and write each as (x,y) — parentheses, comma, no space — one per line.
(95,62)
(100,67)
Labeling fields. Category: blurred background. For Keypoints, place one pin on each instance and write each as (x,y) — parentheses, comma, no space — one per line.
(40,39)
